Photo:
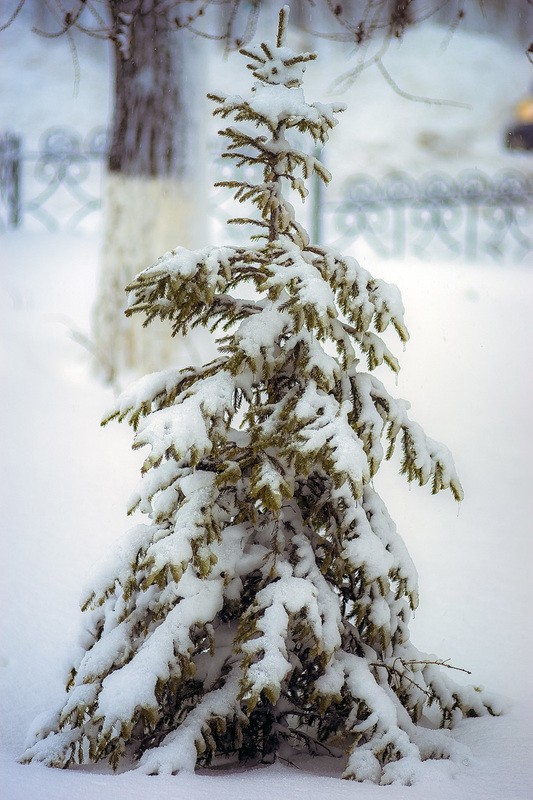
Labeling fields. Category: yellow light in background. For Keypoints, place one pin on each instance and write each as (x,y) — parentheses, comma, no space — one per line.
(524,110)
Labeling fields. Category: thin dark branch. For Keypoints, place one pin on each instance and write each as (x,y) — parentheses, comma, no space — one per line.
(439,663)
(75,61)
(419,99)
(13,16)
(344,81)
(66,19)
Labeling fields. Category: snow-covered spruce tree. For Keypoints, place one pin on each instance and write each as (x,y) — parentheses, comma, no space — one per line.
(265,606)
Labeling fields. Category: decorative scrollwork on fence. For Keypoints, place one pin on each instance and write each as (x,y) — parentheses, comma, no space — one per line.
(62,179)
(468,216)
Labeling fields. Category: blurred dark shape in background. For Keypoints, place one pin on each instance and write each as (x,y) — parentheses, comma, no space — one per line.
(520,135)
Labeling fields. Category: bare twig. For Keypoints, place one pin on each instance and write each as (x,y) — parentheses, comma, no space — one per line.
(425,662)
(13,16)
(417,98)
(438,663)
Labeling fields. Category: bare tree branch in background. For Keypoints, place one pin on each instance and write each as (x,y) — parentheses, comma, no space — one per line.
(235,21)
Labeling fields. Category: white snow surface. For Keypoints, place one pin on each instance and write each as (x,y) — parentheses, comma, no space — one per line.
(65,482)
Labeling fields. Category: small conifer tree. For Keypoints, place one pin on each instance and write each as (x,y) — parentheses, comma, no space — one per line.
(264,607)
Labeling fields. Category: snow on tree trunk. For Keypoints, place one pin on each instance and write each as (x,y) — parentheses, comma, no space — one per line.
(154,183)
(263,608)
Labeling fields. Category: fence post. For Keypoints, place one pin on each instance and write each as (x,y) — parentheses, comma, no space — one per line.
(316,204)
(10,177)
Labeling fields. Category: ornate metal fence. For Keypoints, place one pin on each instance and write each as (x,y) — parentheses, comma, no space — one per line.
(472,215)
(58,186)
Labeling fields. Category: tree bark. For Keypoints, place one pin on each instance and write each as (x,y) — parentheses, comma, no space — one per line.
(154,195)
(154,93)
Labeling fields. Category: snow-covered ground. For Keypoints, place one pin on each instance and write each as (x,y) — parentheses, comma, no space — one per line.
(467,372)
(65,484)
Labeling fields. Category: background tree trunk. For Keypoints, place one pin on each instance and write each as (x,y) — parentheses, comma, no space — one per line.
(155,184)
(154,89)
